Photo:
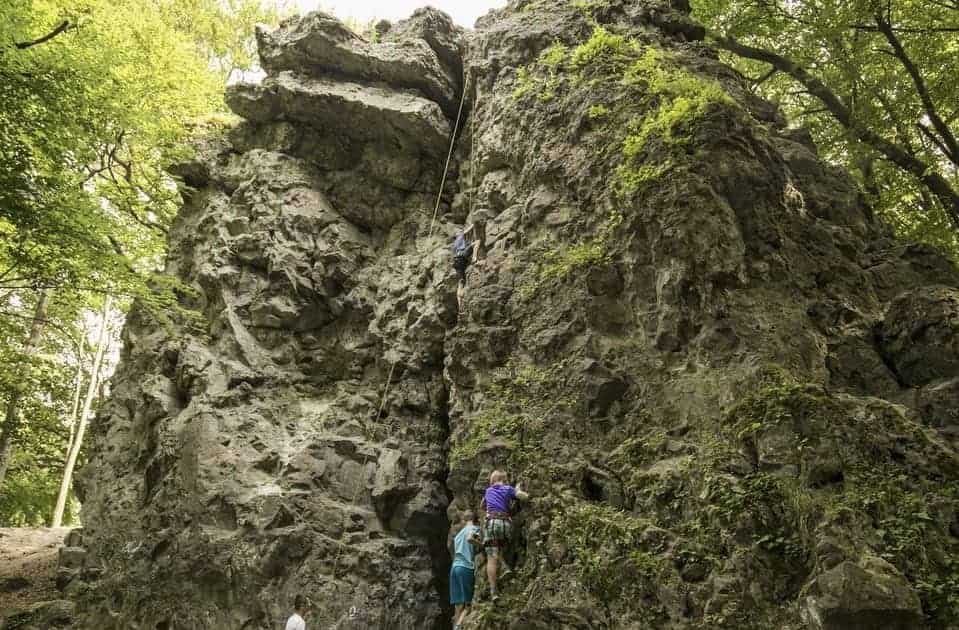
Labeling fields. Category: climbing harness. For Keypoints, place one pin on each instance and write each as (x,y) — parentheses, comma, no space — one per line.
(449,154)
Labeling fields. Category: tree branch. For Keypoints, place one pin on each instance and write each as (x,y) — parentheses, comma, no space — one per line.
(24,45)
(925,173)
(927,132)
(869,28)
(941,127)
(762,79)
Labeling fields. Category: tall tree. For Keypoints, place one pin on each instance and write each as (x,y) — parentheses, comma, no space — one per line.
(83,418)
(97,98)
(12,414)
(874,81)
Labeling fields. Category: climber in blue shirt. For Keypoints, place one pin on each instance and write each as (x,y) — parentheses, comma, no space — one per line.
(462,572)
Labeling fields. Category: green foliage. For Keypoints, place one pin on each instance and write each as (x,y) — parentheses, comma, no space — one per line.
(518,406)
(907,514)
(779,399)
(587,7)
(564,261)
(597,111)
(97,99)
(603,51)
(659,102)
(30,489)
(543,77)
(609,556)
(906,509)
(840,44)
(679,100)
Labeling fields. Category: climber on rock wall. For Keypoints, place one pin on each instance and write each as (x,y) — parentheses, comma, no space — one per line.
(462,254)
(469,247)
(498,526)
(462,573)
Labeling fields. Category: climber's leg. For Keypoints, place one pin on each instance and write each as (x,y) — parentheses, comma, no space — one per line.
(492,566)
(461,592)
(496,535)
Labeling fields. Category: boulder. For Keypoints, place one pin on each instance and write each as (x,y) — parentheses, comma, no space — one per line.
(920,335)
(410,122)
(868,595)
(320,45)
(435,27)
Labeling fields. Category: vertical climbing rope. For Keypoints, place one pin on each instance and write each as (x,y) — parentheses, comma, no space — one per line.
(449,154)
(389,378)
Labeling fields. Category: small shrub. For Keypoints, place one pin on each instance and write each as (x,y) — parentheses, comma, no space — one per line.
(608,555)
(597,111)
(562,262)
(603,51)
(519,404)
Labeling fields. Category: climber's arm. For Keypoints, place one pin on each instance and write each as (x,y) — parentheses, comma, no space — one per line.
(520,494)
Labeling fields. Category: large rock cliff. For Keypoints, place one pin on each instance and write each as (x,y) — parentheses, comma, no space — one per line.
(730,393)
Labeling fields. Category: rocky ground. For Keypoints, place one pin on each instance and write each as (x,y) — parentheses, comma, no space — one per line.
(28,570)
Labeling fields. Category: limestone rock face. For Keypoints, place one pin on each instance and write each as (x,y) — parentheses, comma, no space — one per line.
(285,434)
(729,391)
(41,616)
(322,45)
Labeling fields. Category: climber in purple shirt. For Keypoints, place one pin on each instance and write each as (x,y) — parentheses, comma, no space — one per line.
(499,524)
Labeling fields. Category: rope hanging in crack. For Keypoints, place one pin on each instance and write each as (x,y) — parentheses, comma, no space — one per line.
(449,154)
(386,391)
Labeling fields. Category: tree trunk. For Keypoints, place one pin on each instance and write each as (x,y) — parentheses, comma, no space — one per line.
(11,418)
(77,441)
(77,388)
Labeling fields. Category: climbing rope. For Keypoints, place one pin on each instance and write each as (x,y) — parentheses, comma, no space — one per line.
(389,378)
(449,154)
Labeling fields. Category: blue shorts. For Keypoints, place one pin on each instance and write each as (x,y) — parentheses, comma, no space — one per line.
(461,586)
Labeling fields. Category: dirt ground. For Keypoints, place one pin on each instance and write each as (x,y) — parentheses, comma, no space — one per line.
(28,563)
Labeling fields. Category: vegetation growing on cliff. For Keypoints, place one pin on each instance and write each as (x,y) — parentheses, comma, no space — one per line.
(657,101)
(518,409)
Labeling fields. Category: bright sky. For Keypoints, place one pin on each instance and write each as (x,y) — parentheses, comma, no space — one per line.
(463,12)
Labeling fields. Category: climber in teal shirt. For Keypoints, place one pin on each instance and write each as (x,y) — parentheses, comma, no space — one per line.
(462,571)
